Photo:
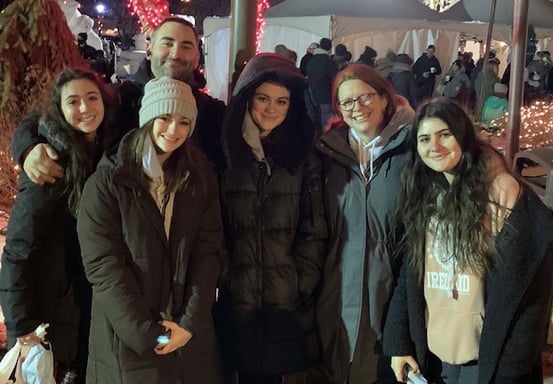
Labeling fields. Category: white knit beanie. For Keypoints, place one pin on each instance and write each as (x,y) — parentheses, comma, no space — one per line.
(167,96)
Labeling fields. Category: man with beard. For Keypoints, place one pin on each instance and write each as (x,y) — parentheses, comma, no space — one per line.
(173,52)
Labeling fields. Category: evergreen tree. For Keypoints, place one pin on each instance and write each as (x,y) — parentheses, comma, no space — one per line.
(35,44)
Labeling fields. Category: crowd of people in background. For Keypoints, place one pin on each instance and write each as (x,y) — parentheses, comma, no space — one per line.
(334,223)
(468,83)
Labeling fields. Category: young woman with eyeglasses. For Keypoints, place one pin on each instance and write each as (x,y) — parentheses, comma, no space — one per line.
(364,152)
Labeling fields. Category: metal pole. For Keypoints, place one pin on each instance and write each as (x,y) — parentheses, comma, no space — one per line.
(480,92)
(242,34)
(516,88)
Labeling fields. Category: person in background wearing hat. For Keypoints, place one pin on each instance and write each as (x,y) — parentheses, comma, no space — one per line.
(151,234)
(341,56)
(496,105)
(274,224)
(42,278)
(308,55)
(368,57)
(402,78)
(385,64)
(321,70)
(425,69)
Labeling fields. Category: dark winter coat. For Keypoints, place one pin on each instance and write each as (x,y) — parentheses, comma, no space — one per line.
(304,61)
(361,222)
(321,70)
(42,278)
(128,96)
(403,80)
(518,298)
(135,270)
(275,231)
(426,85)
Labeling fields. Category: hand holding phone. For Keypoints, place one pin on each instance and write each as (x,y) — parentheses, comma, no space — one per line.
(175,337)
(415,378)
(164,338)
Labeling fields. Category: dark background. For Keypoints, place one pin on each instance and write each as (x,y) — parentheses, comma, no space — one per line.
(117,11)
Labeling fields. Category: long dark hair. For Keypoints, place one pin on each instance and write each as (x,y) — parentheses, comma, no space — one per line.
(81,159)
(176,169)
(464,208)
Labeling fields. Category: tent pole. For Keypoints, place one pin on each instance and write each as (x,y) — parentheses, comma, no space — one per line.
(242,35)
(480,92)
(516,89)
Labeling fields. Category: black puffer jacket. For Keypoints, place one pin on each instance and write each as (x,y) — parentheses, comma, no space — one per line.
(275,230)
(42,278)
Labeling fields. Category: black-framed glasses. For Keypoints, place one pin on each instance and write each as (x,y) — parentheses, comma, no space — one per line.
(364,99)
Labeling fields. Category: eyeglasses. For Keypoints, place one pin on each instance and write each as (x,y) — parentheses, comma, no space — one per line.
(365,99)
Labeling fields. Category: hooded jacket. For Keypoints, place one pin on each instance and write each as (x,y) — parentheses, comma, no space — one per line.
(137,272)
(358,273)
(275,229)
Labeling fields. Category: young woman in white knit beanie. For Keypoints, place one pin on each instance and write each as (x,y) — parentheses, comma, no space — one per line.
(150,228)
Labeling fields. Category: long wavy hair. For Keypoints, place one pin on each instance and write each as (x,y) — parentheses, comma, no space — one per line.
(370,76)
(81,159)
(176,169)
(463,210)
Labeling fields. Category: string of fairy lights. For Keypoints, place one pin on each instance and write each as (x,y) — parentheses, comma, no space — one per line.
(536,125)
(151,12)
(536,119)
(262,5)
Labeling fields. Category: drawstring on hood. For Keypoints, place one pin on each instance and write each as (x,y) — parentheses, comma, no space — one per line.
(368,153)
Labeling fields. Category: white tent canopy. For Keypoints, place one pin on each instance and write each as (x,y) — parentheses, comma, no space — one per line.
(540,12)
(403,26)
(398,9)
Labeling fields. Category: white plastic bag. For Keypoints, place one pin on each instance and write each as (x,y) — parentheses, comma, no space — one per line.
(38,367)
(9,363)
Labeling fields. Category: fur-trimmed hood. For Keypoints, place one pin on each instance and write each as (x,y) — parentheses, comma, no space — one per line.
(58,137)
(290,143)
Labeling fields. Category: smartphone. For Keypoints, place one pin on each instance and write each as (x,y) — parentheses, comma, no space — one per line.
(163,339)
(415,378)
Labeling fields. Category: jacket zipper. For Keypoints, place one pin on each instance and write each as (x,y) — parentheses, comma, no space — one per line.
(261,169)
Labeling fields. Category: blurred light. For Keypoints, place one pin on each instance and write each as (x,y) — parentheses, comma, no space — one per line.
(101,8)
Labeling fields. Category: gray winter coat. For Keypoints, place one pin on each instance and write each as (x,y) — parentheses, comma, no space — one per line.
(358,272)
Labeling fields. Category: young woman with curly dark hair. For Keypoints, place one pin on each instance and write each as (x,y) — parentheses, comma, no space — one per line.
(474,290)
